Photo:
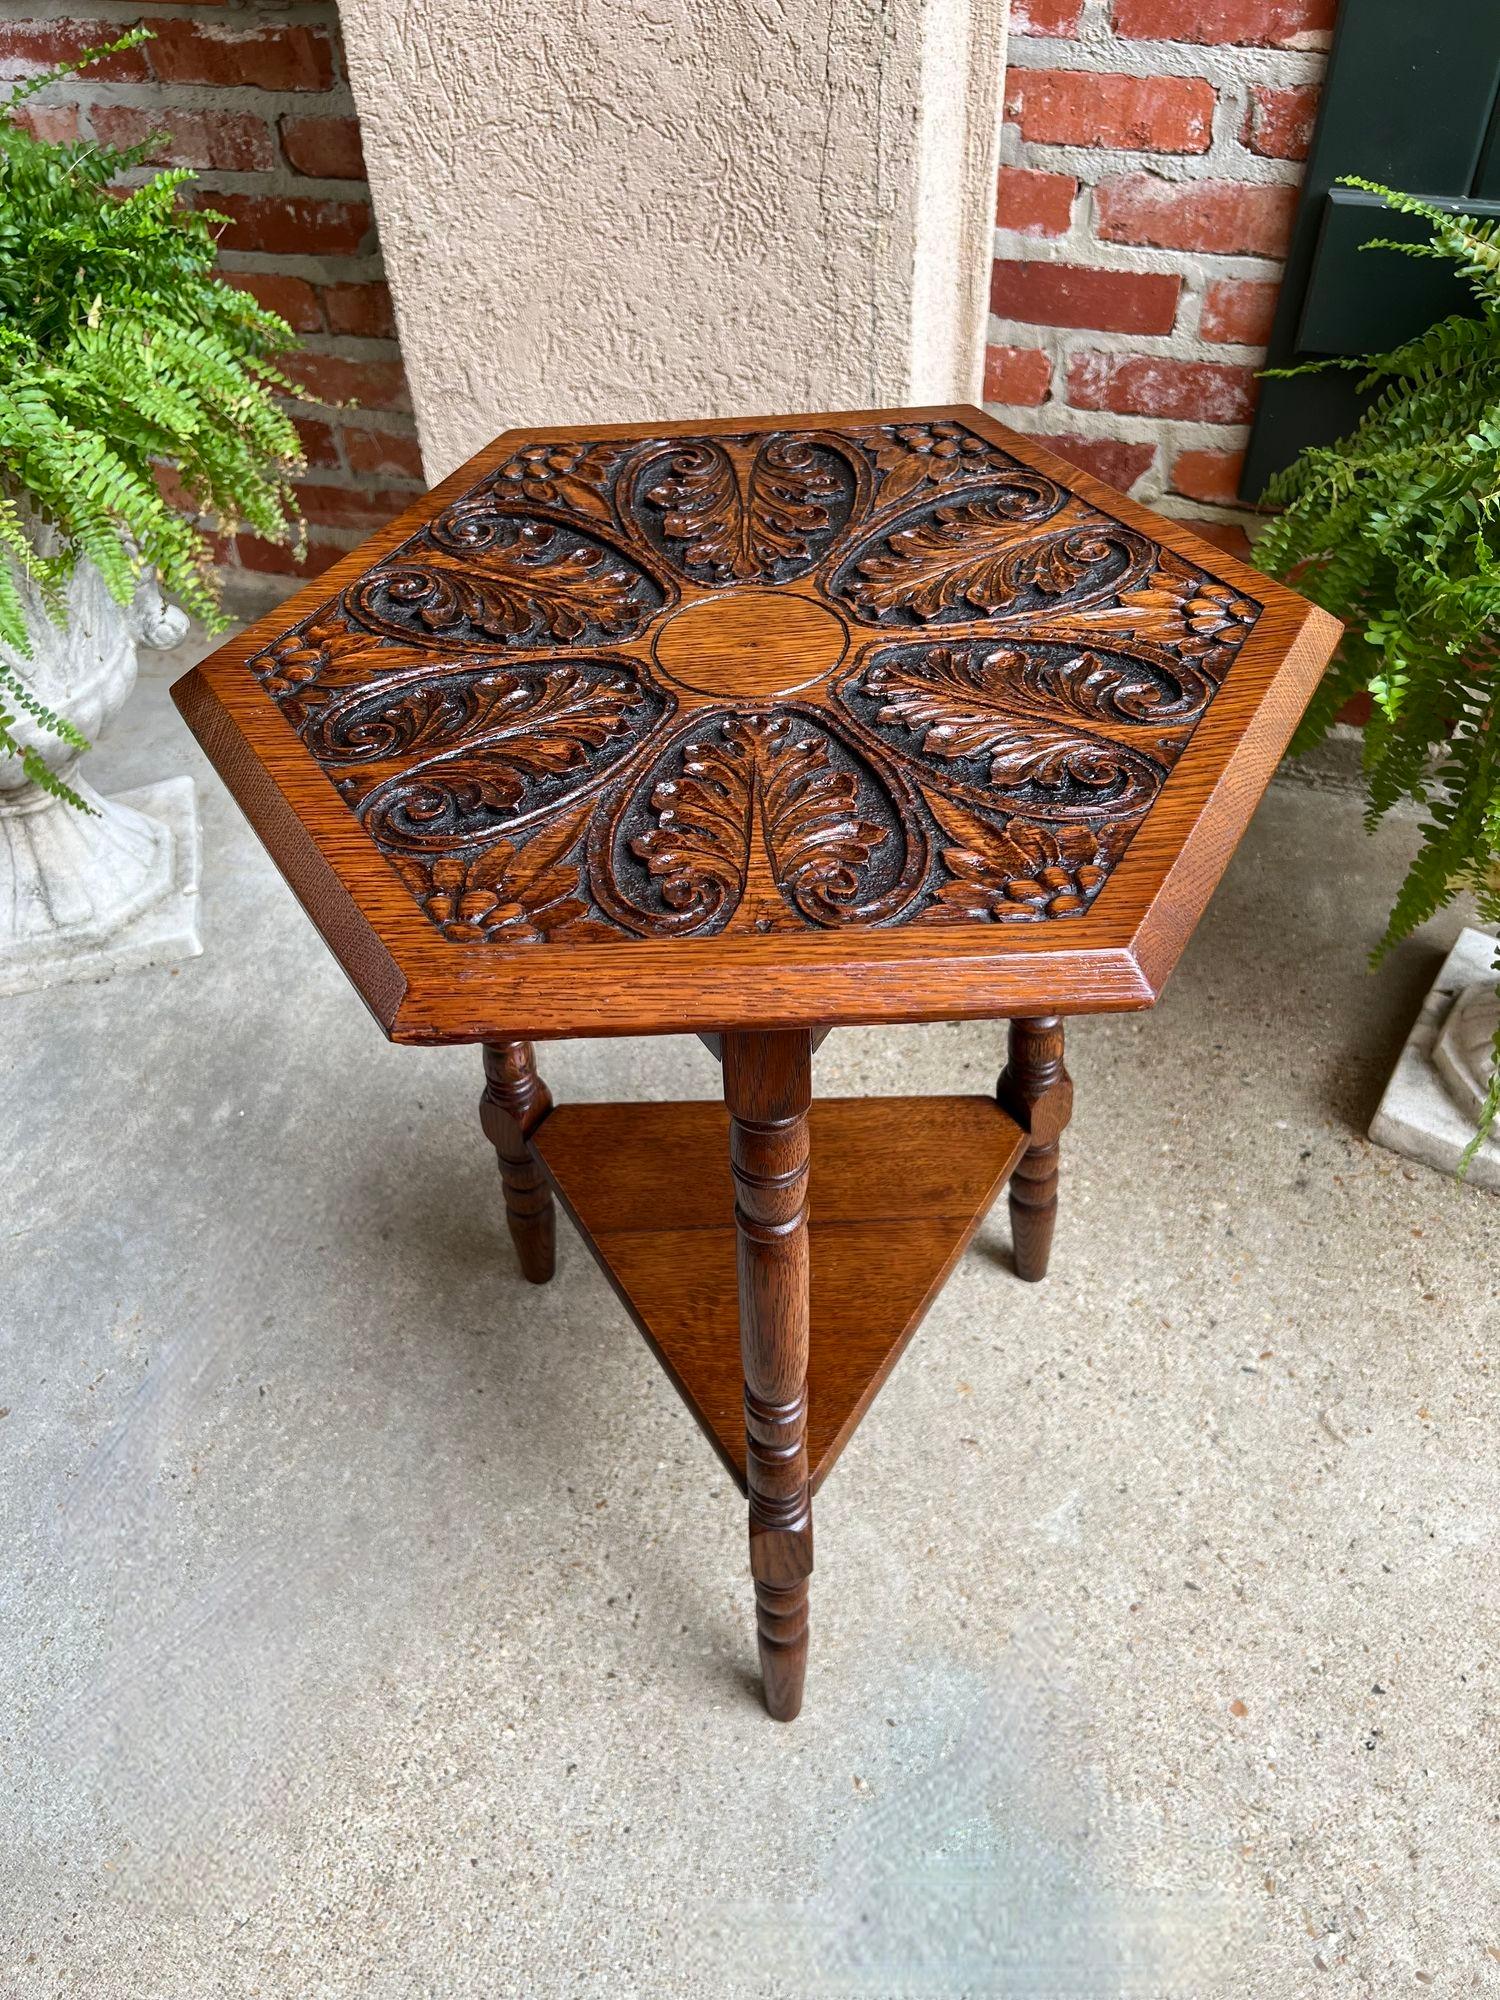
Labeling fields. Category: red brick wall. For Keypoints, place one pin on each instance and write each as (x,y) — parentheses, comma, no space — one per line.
(257,102)
(1151,157)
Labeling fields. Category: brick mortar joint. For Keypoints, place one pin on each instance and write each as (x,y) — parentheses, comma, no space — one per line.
(1173,434)
(1216,63)
(398,423)
(89,92)
(356,268)
(1234,74)
(127,13)
(1224,159)
(1174,346)
(353,346)
(275,183)
(1151,484)
(1138,259)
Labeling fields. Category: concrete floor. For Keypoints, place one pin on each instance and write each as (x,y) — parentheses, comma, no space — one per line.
(374,1625)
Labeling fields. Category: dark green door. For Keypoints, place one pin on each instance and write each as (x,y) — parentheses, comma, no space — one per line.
(1411,99)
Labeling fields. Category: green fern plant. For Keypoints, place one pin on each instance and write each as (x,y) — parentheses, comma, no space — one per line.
(1396,528)
(122,358)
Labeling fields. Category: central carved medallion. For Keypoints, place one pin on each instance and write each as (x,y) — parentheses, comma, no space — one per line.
(750,645)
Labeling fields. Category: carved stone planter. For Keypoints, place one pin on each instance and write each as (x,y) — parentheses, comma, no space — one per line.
(1431,1103)
(83,895)
(1461,1053)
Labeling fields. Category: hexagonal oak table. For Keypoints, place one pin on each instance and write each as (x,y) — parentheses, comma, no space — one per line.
(756,728)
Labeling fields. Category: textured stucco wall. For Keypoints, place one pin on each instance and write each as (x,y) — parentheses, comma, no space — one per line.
(658,208)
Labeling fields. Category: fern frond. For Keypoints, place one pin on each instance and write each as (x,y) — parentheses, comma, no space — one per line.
(131,39)
(1396,529)
(122,360)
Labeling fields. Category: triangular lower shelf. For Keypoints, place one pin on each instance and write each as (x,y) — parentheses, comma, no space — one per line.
(899,1185)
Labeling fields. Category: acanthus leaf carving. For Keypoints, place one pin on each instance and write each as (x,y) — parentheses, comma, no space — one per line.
(1177,608)
(547,886)
(953,558)
(519,580)
(698,853)
(818,841)
(552,716)
(1164,691)
(980,557)
(540,725)
(790,505)
(755,789)
(755,825)
(1018,868)
(425,715)
(698,497)
(508,893)
(973,703)
(564,474)
(910,456)
(725,517)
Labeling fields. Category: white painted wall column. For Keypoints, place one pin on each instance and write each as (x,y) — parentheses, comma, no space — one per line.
(636,209)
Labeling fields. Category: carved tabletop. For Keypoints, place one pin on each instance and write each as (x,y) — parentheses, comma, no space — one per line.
(883,715)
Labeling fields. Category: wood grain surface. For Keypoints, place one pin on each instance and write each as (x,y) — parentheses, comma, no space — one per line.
(1035,1088)
(767,1092)
(898,1187)
(514,1103)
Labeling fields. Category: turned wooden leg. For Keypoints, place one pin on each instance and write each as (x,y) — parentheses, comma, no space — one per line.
(1037,1092)
(768,1087)
(514,1103)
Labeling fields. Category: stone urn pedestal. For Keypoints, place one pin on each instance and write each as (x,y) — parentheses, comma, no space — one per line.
(1431,1104)
(83,895)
